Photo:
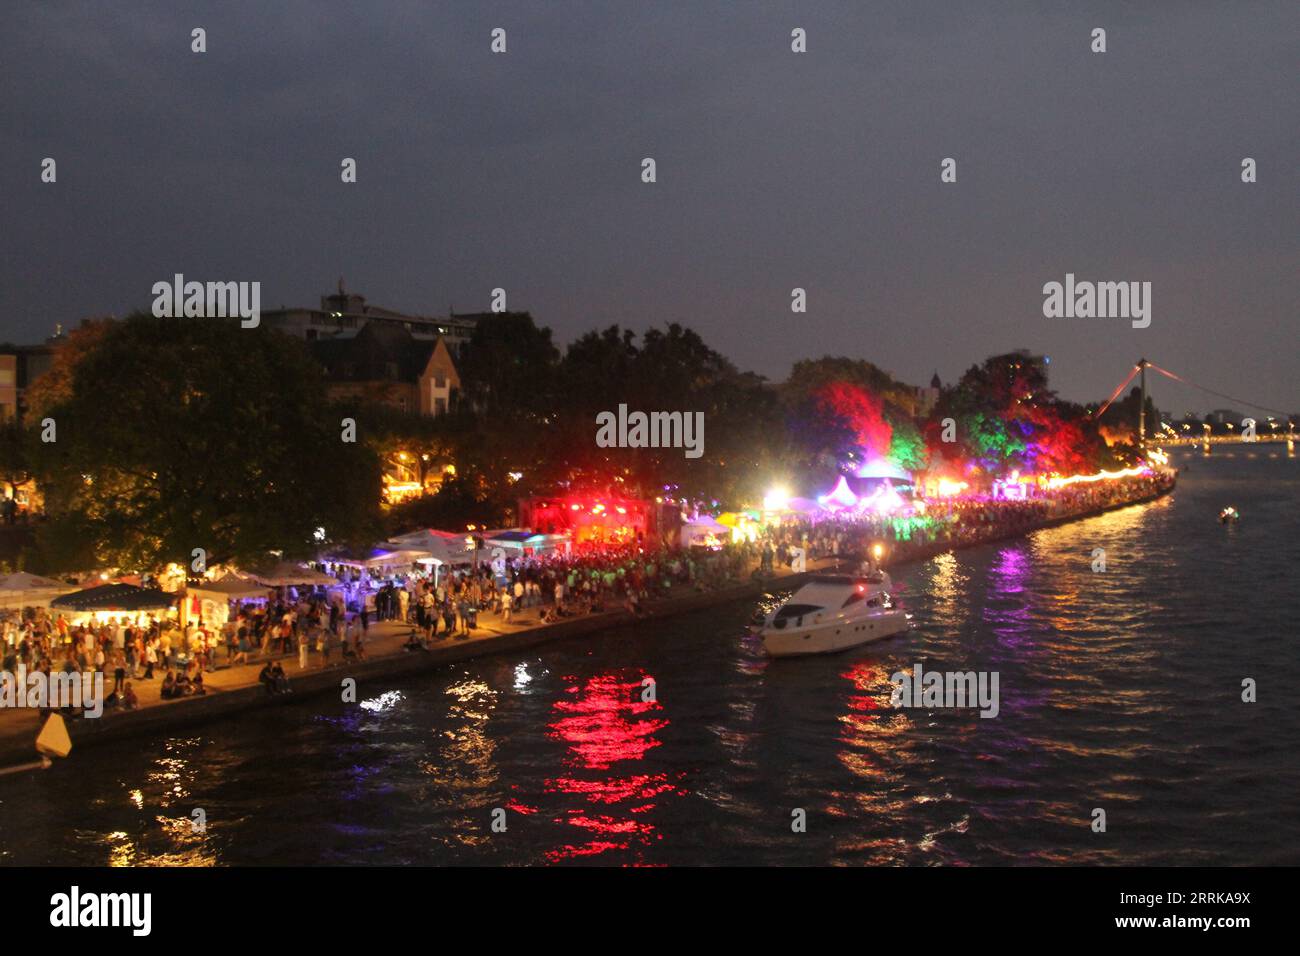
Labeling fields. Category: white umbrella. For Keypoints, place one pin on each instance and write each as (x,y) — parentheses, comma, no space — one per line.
(29,590)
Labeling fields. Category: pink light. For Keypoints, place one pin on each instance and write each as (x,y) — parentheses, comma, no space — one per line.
(887,501)
(883,500)
(841,497)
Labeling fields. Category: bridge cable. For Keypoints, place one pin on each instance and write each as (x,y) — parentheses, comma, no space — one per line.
(1113,395)
(1239,401)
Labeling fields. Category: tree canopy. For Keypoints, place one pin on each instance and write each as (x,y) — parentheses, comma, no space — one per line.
(174,435)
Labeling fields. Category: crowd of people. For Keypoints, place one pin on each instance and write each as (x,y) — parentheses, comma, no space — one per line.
(525,589)
(544,587)
(950,522)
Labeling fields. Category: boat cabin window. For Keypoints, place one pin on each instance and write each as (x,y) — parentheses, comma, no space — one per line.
(854,598)
(795,610)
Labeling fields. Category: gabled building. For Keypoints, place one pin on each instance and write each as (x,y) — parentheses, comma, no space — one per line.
(385,364)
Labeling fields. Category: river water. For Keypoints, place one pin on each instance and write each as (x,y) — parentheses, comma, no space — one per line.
(1119,690)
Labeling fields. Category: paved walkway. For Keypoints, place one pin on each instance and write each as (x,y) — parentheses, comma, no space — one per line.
(384,639)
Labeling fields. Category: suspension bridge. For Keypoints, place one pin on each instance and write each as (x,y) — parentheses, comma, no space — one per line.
(1277,427)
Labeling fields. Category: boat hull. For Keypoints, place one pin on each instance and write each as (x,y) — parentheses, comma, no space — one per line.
(834,635)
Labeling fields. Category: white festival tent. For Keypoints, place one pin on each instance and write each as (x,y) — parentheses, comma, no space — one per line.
(229,588)
(286,574)
(703,529)
(520,541)
(30,590)
(386,558)
(214,596)
(435,547)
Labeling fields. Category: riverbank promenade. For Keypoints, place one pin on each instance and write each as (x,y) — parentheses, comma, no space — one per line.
(388,654)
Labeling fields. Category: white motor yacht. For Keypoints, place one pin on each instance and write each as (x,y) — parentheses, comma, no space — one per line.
(833,612)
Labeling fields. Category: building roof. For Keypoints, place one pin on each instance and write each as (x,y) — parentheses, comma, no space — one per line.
(378,351)
(342,312)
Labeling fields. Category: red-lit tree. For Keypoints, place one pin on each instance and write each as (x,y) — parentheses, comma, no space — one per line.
(844,420)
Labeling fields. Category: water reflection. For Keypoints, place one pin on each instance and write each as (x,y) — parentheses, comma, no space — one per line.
(1005,608)
(161,825)
(948,587)
(606,724)
(464,761)
(869,728)
(1104,681)
(892,784)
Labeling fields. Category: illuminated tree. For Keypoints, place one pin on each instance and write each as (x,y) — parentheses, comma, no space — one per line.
(842,421)
(1009,419)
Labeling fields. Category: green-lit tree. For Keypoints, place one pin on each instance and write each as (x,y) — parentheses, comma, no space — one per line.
(1007,418)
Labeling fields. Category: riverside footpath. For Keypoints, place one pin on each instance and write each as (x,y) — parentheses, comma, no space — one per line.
(237,689)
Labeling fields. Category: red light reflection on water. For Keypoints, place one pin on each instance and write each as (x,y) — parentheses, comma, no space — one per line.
(604,722)
(868,678)
(867,723)
(602,726)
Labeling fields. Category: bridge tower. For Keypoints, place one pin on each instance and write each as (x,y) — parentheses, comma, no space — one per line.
(1142,409)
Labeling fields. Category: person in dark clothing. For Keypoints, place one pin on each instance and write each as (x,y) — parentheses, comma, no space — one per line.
(279,679)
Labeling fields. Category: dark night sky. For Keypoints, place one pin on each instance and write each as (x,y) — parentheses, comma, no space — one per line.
(776,170)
